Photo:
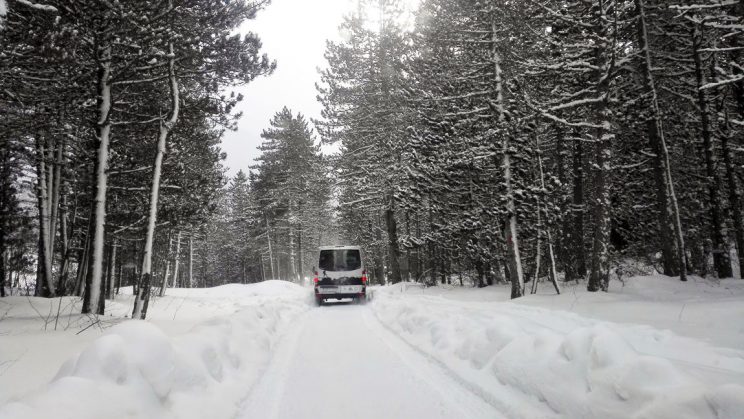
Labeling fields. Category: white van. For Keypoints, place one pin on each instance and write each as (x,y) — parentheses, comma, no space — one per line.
(340,274)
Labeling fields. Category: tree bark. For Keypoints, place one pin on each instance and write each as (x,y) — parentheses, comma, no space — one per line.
(110,281)
(552,274)
(392,231)
(177,260)
(599,277)
(166,274)
(511,235)
(44,283)
(3,258)
(721,259)
(55,182)
(670,225)
(268,239)
(92,301)
(734,198)
(191,261)
(576,268)
(141,303)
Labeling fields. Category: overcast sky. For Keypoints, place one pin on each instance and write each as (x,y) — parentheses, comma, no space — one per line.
(294,34)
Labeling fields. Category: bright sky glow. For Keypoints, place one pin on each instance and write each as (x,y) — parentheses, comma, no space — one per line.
(294,33)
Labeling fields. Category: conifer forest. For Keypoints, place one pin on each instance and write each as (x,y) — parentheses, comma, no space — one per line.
(529,142)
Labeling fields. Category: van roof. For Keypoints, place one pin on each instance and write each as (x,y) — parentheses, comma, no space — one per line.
(344,247)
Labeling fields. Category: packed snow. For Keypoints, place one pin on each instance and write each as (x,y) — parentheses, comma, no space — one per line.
(650,348)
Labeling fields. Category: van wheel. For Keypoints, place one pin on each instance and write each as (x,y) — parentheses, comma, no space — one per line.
(360,300)
(318,301)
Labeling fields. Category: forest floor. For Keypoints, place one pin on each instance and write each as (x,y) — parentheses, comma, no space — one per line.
(651,347)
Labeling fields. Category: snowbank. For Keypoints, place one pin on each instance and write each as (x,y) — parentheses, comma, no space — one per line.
(136,371)
(580,367)
(271,288)
(699,308)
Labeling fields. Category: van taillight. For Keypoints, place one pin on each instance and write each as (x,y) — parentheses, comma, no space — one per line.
(315,279)
(364,276)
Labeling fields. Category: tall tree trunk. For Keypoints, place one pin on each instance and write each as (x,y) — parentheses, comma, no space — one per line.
(599,277)
(44,282)
(64,268)
(120,274)
(670,225)
(538,250)
(3,259)
(82,267)
(92,301)
(143,298)
(166,275)
(56,182)
(721,259)
(734,197)
(301,253)
(268,239)
(177,260)
(552,274)
(191,261)
(564,233)
(511,235)
(576,268)
(734,187)
(392,230)
(110,281)
(107,270)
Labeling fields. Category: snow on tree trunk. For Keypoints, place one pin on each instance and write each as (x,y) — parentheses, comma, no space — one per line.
(511,235)
(721,259)
(143,297)
(600,268)
(552,273)
(92,302)
(734,196)
(670,224)
(44,285)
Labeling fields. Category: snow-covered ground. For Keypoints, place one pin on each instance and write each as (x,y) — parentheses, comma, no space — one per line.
(585,364)
(654,348)
(196,357)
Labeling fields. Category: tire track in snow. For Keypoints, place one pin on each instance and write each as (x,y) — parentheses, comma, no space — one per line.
(338,362)
(509,401)
(264,397)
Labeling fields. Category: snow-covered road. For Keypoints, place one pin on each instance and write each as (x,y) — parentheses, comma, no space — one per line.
(340,362)
(265,351)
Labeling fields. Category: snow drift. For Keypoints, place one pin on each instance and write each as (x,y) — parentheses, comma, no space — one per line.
(581,368)
(136,371)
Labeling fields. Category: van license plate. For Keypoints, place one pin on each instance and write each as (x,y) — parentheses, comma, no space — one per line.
(349,289)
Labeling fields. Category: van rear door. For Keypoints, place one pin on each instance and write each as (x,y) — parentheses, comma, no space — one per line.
(340,267)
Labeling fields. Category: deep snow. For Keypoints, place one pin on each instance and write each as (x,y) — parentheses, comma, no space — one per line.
(654,348)
(135,369)
(580,367)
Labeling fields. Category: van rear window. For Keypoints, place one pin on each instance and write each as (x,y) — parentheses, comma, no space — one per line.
(340,260)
